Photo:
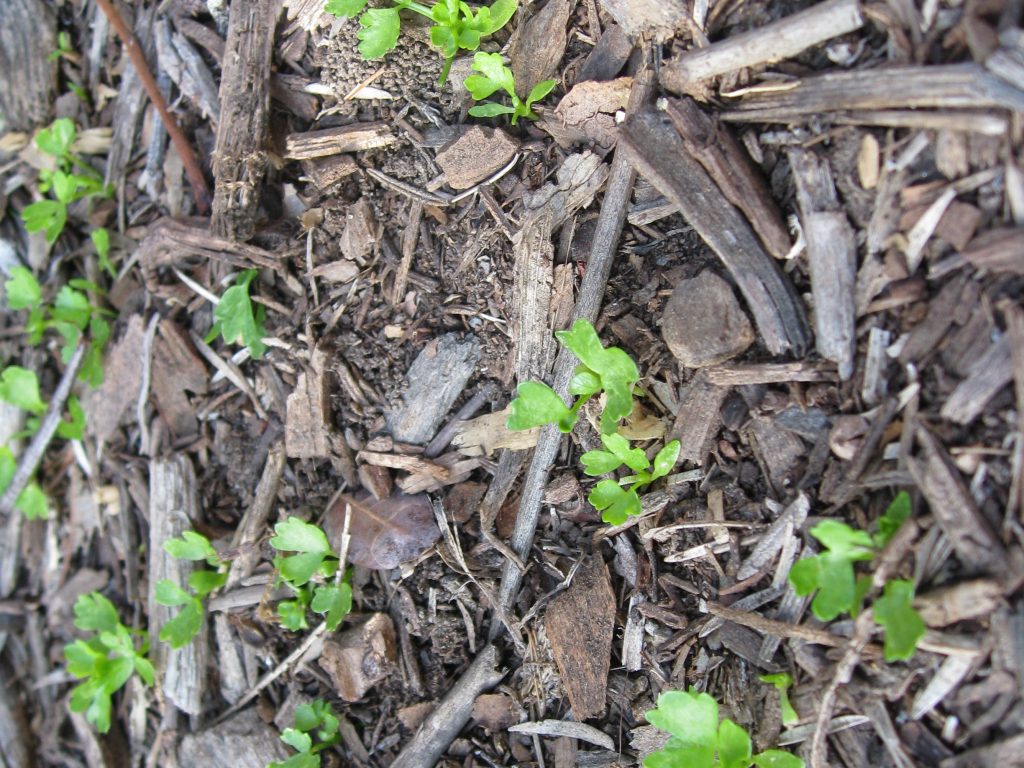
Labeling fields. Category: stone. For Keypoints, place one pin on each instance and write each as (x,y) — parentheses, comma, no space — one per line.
(703,323)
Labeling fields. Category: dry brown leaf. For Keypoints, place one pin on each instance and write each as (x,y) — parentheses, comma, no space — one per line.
(385,532)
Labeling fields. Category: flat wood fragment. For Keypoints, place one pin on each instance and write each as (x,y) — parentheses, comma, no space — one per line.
(357,137)
(15,747)
(474,155)
(435,380)
(307,419)
(580,625)
(173,505)
(779,40)
(832,254)
(361,657)
(647,138)
(659,19)
(927,334)
(1001,754)
(566,728)
(325,172)
(587,114)
(28,35)
(243,740)
(488,433)
(606,60)
(240,158)
(698,419)
(987,377)
(998,250)
(122,381)
(538,45)
(965,600)
(177,370)
(738,374)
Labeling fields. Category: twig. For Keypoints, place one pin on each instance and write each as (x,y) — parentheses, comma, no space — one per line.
(200,190)
(34,453)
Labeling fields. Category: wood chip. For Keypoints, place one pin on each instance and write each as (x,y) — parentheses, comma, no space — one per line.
(474,155)
(122,380)
(989,374)
(361,657)
(244,740)
(658,19)
(998,250)
(539,44)
(568,729)
(307,418)
(488,433)
(29,84)
(698,419)
(357,137)
(177,370)
(587,114)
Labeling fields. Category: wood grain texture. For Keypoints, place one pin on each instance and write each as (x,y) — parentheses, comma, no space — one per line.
(28,34)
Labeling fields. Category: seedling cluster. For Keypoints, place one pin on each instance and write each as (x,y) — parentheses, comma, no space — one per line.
(495,75)
(314,558)
(837,589)
(611,372)
(179,631)
(314,720)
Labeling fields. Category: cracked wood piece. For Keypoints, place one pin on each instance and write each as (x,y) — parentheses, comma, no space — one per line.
(698,418)
(239,158)
(28,35)
(946,87)
(926,335)
(357,137)
(173,505)
(988,375)
(998,250)
(738,374)
(580,624)
(728,163)
(178,60)
(779,40)
(951,502)
(177,369)
(832,253)
(649,140)
(243,741)
(254,521)
(123,366)
(307,413)
(170,243)
(538,44)
(130,103)
(657,19)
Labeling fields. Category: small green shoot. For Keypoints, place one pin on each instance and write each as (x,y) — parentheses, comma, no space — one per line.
(106,660)
(31,501)
(455,25)
(699,740)
(315,719)
(193,546)
(615,502)
(782,682)
(494,76)
(903,625)
(235,319)
(314,559)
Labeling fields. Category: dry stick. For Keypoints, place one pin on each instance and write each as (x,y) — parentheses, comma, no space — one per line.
(606,238)
(34,454)
(195,174)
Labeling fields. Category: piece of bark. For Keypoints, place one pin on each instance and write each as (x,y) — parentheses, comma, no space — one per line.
(779,40)
(254,521)
(435,380)
(778,451)
(658,19)
(28,35)
(1008,753)
(703,324)
(325,172)
(15,747)
(988,375)
(608,57)
(178,60)
(927,334)
(731,168)
(832,253)
(474,155)
(580,624)
(648,139)
(957,225)
(130,104)
(307,423)
(587,114)
(173,505)
(970,533)
(240,158)
(945,87)
(242,741)
(122,382)
(177,369)
(361,232)
(357,137)
(497,711)
(998,250)
(361,657)
(974,599)
(738,374)
(539,45)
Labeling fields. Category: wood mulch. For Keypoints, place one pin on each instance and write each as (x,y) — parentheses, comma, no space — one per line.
(803,221)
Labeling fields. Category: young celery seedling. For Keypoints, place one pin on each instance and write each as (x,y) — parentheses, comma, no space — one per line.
(494,75)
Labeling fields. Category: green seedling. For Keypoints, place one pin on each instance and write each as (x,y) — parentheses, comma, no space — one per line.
(831,578)
(106,660)
(69,181)
(193,546)
(609,370)
(782,682)
(235,319)
(314,559)
(455,25)
(495,76)
(699,740)
(615,502)
(31,501)
(314,720)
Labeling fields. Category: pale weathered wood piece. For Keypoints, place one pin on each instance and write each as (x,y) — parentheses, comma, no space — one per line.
(779,40)
(357,137)
(949,86)
(253,525)
(832,253)
(656,18)
(169,243)
(728,163)
(243,741)
(14,731)
(649,139)
(738,374)
(307,414)
(240,158)
(435,379)
(988,375)
(173,505)
(698,418)
(131,102)
(28,35)
(998,250)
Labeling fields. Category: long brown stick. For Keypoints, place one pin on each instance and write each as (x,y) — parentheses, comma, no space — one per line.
(195,174)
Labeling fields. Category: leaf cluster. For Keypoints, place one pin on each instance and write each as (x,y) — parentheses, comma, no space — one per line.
(837,589)
(495,76)
(313,560)
(236,320)
(186,624)
(106,660)
(70,180)
(615,502)
(699,740)
(455,25)
(314,720)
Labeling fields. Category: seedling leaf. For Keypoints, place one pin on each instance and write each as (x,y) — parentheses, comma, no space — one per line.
(665,460)
(335,602)
(236,321)
(490,109)
(734,749)
(903,625)
(297,740)
(777,758)
(898,511)
(539,91)
(94,612)
(379,32)
(169,593)
(615,503)
(58,138)
(192,546)
(179,631)
(23,291)
(782,681)
(539,404)
(32,502)
(346,9)
(204,582)
(20,387)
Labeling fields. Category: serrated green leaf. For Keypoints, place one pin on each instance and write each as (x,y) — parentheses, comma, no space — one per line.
(378,33)
(204,582)
(307,717)
(599,463)
(58,138)
(898,511)
(296,535)
(93,612)
(191,546)
(443,38)
(169,593)
(688,716)
(82,658)
(292,614)
(836,587)
(23,290)
(64,186)
(492,67)
(334,602)
(297,740)
(72,307)
(89,697)
(843,541)
(236,319)
(903,625)
(734,748)
(20,387)
(33,503)
(47,216)
(615,503)
(535,405)
(496,17)
(179,631)
(346,9)
(539,91)
(634,458)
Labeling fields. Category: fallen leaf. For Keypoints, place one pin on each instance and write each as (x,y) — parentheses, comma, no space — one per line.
(385,532)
